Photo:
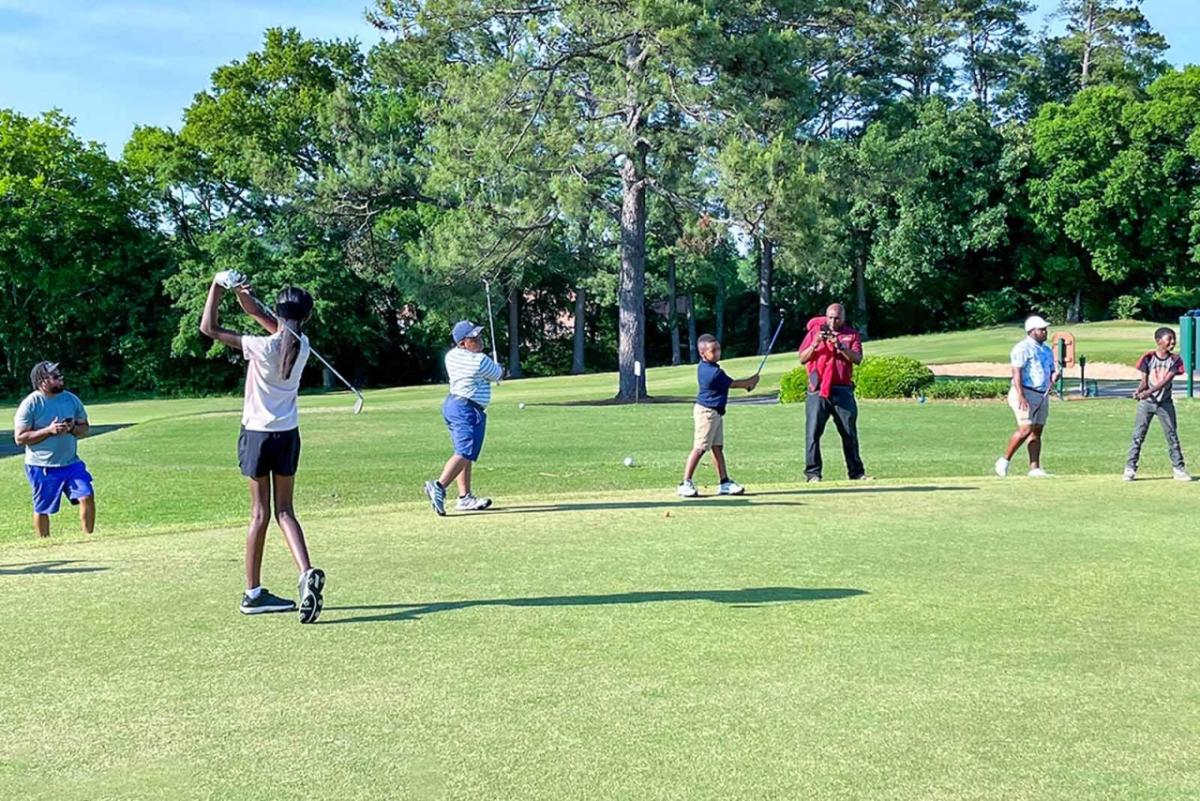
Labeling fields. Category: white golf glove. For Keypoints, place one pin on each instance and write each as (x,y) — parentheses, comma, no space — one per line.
(229,278)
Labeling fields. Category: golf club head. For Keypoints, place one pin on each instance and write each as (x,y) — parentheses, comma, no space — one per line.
(358,404)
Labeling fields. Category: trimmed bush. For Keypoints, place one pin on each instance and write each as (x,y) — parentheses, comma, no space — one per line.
(891,377)
(794,385)
(969,389)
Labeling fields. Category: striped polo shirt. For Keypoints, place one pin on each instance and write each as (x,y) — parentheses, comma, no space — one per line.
(470,373)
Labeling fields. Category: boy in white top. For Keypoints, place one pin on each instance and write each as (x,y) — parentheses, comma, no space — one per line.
(471,375)
(269,443)
(1033,373)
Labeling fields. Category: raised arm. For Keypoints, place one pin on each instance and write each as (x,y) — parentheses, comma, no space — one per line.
(210,319)
(251,307)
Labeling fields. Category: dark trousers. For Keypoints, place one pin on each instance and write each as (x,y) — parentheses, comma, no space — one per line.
(841,406)
(1147,410)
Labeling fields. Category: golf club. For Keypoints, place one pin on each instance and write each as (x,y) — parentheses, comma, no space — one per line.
(360,400)
(491,321)
(770,347)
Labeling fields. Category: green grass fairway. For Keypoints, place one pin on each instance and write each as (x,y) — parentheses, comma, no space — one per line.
(935,634)
(1114,342)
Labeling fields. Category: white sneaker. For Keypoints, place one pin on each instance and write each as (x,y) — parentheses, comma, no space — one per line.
(730,487)
(1129,475)
(1038,472)
(1181,475)
(469,503)
(687,489)
(1002,467)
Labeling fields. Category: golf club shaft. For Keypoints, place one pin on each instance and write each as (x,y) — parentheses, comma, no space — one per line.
(491,320)
(770,347)
(270,315)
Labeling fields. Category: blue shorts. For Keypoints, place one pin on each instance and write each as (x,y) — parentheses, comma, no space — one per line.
(51,483)
(467,423)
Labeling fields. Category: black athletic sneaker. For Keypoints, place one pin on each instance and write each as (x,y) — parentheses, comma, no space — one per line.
(312,584)
(265,603)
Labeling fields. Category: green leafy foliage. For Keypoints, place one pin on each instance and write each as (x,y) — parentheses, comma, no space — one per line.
(967,389)
(891,377)
(794,385)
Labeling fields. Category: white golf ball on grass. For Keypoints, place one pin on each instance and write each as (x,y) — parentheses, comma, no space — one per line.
(520,405)
(629,461)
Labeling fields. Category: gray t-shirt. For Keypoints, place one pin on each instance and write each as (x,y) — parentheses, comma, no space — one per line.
(38,410)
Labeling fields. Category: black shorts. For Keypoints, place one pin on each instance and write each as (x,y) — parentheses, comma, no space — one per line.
(261,453)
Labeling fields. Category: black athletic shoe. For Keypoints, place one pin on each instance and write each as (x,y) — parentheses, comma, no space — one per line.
(312,584)
(265,603)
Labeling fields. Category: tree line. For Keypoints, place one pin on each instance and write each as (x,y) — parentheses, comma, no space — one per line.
(622,175)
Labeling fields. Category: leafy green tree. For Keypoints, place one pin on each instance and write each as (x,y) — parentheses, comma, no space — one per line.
(540,108)
(993,38)
(1113,192)
(294,168)
(79,266)
(1112,41)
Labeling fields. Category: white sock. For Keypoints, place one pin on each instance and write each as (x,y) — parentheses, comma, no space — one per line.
(1002,459)
(254,593)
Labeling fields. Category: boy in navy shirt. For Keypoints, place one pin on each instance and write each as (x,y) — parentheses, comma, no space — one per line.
(709,416)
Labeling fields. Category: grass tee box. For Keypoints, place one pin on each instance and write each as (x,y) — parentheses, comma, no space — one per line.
(935,634)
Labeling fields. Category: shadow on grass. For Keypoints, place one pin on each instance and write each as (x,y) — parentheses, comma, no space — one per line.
(10,448)
(741,501)
(599,506)
(54,568)
(864,489)
(741,599)
(737,400)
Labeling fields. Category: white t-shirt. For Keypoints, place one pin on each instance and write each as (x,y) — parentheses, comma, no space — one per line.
(270,400)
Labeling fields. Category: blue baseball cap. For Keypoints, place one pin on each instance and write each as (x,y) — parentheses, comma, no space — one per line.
(465,329)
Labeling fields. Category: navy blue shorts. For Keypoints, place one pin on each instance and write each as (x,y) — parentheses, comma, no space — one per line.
(261,453)
(49,484)
(467,423)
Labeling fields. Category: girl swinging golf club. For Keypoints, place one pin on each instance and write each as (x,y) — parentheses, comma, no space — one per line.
(269,444)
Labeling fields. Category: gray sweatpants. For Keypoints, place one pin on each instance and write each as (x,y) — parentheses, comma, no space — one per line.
(1147,410)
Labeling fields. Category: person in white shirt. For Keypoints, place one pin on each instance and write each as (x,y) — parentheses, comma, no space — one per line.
(1033,373)
(269,443)
(471,374)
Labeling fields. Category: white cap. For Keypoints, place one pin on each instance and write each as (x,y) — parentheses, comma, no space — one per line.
(1035,322)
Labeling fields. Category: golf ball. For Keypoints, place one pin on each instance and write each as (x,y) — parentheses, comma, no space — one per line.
(629,461)
(520,406)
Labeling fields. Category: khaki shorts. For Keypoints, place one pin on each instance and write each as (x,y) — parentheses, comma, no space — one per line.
(710,428)
(1038,411)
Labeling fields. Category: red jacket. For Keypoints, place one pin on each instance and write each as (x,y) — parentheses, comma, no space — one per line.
(827,369)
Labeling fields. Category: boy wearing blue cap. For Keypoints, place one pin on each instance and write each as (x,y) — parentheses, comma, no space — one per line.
(471,374)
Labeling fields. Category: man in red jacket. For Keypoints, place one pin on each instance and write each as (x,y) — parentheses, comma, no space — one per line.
(831,349)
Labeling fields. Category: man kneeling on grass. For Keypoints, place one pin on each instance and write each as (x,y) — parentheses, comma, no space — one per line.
(49,423)
(709,417)
(465,412)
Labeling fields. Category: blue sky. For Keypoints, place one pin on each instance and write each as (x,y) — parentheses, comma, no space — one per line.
(112,64)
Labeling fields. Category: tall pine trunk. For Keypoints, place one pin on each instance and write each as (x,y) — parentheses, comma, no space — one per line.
(766,271)
(693,352)
(860,295)
(514,333)
(631,283)
(580,330)
(672,309)
(719,308)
